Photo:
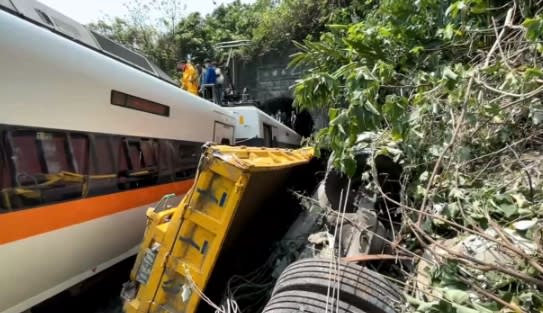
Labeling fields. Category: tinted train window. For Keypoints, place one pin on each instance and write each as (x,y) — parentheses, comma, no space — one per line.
(135,156)
(40,167)
(149,149)
(44,17)
(166,158)
(5,176)
(122,157)
(25,156)
(186,159)
(132,102)
(40,161)
(53,148)
(80,150)
(104,163)
(5,172)
(122,52)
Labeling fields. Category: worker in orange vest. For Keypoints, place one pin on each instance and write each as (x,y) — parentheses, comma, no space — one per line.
(189,79)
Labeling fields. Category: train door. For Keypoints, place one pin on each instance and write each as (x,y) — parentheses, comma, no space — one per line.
(268,141)
(223,134)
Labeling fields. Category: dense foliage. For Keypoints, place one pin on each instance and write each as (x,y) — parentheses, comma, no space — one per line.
(174,35)
(453,91)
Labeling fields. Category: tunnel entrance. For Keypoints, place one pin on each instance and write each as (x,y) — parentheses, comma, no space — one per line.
(283,109)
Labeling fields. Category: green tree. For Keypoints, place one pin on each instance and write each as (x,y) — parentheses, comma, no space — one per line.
(233,21)
(193,38)
(281,22)
(172,36)
(448,88)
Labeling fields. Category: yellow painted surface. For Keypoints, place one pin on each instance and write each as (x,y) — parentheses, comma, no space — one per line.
(191,235)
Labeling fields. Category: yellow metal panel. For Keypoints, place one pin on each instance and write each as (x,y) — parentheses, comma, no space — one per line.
(188,239)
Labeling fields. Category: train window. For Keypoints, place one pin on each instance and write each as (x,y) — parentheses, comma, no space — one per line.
(133,151)
(122,52)
(67,28)
(149,151)
(122,156)
(30,160)
(80,152)
(53,148)
(45,17)
(186,159)
(4,185)
(38,160)
(5,174)
(103,158)
(25,157)
(132,102)
(166,157)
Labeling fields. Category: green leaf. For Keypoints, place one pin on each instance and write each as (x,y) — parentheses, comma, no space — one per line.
(428,226)
(457,193)
(448,32)
(424,176)
(481,309)
(533,73)
(508,209)
(452,210)
(349,166)
(449,74)
(464,153)
(537,115)
(371,108)
(435,150)
(520,199)
(464,309)
(534,27)
(396,134)
(417,50)
(338,27)
(457,296)
(333,113)
(478,10)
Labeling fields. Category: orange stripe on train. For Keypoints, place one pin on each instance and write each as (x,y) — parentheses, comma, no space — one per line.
(30,222)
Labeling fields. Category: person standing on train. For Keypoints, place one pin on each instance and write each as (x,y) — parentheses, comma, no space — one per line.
(199,73)
(219,87)
(211,75)
(203,73)
(189,78)
(210,79)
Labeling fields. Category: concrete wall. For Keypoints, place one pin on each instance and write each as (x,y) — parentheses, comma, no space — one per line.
(268,76)
(269,81)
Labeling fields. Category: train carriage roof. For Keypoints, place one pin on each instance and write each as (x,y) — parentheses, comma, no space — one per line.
(58,22)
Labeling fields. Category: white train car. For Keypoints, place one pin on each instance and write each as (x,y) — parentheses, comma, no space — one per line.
(256,128)
(91,134)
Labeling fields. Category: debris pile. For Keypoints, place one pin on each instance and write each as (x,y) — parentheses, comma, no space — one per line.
(477,252)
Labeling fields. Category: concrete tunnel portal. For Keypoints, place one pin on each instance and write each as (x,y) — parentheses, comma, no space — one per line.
(303,122)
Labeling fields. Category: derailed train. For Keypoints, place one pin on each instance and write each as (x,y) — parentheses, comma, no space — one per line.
(91,134)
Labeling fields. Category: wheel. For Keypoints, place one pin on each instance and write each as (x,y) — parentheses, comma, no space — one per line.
(307,302)
(358,286)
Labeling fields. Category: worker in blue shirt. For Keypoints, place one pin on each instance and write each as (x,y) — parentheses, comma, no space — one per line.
(209,78)
(211,75)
